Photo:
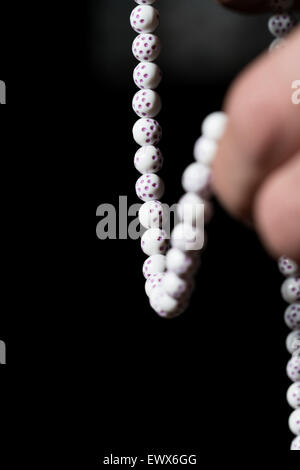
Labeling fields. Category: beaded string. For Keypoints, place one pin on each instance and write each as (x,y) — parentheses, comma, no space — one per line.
(169,270)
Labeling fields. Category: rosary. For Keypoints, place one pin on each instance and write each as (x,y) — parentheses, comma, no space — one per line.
(170,267)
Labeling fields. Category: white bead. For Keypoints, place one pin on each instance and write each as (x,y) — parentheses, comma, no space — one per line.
(146,132)
(290,289)
(146,103)
(190,210)
(197,179)
(174,286)
(287,266)
(154,241)
(186,238)
(149,187)
(214,125)
(295,445)
(148,159)
(179,262)
(144,19)
(164,305)
(292,316)
(146,47)
(293,341)
(152,214)
(280,25)
(293,368)
(154,264)
(277,44)
(281,5)
(294,422)
(293,395)
(205,150)
(145,2)
(147,75)
(153,282)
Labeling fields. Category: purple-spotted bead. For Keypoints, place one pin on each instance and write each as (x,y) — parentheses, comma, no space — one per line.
(293,368)
(290,289)
(144,19)
(149,187)
(292,316)
(147,131)
(146,47)
(154,264)
(287,266)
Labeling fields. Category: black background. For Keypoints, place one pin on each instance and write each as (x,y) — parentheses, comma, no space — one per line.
(212,381)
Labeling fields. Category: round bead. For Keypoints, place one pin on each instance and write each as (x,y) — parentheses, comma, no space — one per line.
(280,25)
(152,214)
(153,282)
(164,305)
(154,241)
(146,47)
(278,43)
(281,5)
(287,267)
(295,445)
(146,132)
(145,2)
(293,395)
(293,368)
(179,262)
(187,238)
(147,75)
(292,316)
(144,19)
(148,159)
(293,341)
(154,264)
(213,126)
(290,289)
(149,187)
(190,209)
(205,150)
(174,286)
(294,422)
(197,179)
(146,103)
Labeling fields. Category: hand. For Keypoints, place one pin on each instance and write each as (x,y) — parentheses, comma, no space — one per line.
(257,169)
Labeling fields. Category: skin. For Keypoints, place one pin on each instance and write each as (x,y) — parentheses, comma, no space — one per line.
(257,169)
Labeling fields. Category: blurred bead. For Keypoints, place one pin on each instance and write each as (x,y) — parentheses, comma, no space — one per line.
(292,316)
(146,103)
(164,305)
(147,75)
(197,179)
(294,422)
(179,262)
(185,237)
(174,286)
(153,282)
(144,19)
(295,445)
(205,150)
(290,289)
(146,47)
(281,5)
(194,210)
(287,266)
(293,368)
(149,187)
(154,264)
(214,125)
(277,44)
(154,241)
(145,2)
(280,25)
(152,214)
(293,395)
(293,341)
(146,132)
(148,159)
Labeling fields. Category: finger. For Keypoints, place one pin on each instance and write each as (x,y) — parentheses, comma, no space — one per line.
(263,128)
(251,6)
(277,210)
